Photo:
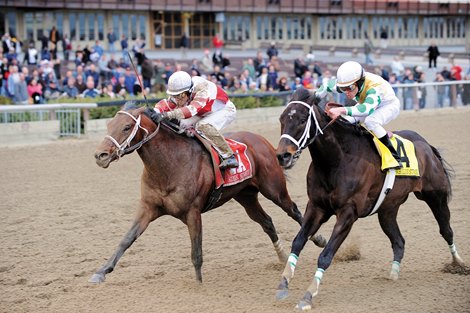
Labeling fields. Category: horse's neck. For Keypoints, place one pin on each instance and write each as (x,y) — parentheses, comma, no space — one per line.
(326,151)
(166,152)
(329,149)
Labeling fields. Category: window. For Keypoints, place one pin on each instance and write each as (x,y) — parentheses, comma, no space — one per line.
(258,27)
(279,24)
(116,26)
(91,26)
(133,27)
(40,32)
(73,26)
(237,28)
(82,23)
(101,26)
(59,23)
(29,26)
(142,23)
(12,23)
(125,25)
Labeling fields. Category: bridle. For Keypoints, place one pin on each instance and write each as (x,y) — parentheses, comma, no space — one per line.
(305,140)
(125,147)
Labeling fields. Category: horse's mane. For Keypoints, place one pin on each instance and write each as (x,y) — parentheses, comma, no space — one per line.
(305,95)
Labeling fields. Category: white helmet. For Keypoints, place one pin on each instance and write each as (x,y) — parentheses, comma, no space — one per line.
(179,82)
(349,73)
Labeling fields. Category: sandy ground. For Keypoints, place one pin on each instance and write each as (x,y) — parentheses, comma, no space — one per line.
(61,218)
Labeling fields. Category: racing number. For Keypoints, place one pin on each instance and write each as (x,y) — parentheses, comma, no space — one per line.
(402,152)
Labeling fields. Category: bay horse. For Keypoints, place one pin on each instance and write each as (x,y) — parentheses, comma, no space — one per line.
(345,178)
(178,179)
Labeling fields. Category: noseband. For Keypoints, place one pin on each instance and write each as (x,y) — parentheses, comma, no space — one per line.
(305,140)
(125,147)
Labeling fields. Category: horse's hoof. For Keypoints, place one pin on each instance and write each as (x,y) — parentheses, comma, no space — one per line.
(282,294)
(304,305)
(96,278)
(319,241)
(457,260)
(394,276)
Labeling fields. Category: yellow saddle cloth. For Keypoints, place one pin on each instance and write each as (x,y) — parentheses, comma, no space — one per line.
(405,149)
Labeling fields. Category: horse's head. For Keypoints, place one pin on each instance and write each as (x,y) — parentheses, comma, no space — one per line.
(299,126)
(127,132)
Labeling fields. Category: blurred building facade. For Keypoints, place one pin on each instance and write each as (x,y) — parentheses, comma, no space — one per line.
(245,24)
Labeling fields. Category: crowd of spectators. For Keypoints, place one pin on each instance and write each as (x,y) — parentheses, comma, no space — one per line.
(414,98)
(32,76)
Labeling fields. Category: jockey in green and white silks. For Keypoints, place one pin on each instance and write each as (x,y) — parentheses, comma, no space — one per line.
(377,103)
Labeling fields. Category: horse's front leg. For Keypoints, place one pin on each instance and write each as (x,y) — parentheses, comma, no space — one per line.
(343,225)
(193,221)
(138,227)
(312,221)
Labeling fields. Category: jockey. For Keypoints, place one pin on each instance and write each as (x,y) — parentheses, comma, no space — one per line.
(377,103)
(199,103)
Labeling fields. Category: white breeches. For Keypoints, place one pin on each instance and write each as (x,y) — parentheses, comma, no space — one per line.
(383,115)
(219,119)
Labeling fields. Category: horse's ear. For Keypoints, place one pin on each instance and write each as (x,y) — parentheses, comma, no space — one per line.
(315,99)
(129,105)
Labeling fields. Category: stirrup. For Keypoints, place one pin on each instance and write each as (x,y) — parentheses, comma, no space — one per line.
(231,162)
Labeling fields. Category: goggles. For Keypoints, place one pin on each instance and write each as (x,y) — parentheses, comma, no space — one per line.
(180,96)
(347,88)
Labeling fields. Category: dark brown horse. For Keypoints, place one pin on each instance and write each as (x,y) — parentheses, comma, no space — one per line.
(345,179)
(178,179)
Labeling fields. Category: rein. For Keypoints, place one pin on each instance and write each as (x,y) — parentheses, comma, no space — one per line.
(125,147)
(305,140)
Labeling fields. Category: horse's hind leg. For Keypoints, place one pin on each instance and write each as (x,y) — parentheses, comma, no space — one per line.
(138,227)
(249,200)
(388,222)
(437,201)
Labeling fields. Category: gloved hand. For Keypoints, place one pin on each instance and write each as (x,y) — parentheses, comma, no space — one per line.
(154,116)
(324,89)
(321,92)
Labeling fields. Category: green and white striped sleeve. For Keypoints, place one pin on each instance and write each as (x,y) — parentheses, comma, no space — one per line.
(367,107)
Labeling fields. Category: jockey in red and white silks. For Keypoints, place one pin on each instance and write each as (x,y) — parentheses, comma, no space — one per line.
(208,103)
(199,103)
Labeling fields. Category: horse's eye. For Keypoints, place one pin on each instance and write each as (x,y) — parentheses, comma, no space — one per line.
(303,121)
(127,128)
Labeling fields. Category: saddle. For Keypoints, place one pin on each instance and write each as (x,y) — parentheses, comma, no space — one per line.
(229,176)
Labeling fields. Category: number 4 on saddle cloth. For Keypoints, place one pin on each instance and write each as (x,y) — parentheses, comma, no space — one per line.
(229,176)
(406,151)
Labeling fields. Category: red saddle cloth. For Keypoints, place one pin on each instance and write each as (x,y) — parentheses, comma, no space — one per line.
(232,176)
(229,176)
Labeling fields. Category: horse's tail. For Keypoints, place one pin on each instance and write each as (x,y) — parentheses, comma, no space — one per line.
(448,170)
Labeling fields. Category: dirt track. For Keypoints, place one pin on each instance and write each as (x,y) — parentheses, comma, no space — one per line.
(61,218)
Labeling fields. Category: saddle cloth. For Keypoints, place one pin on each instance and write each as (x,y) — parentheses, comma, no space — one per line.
(229,176)
(405,149)
(232,176)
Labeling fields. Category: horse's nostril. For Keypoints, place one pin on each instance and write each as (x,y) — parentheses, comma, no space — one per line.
(100,156)
(282,158)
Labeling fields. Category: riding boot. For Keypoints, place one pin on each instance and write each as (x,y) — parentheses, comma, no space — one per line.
(387,143)
(228,158)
